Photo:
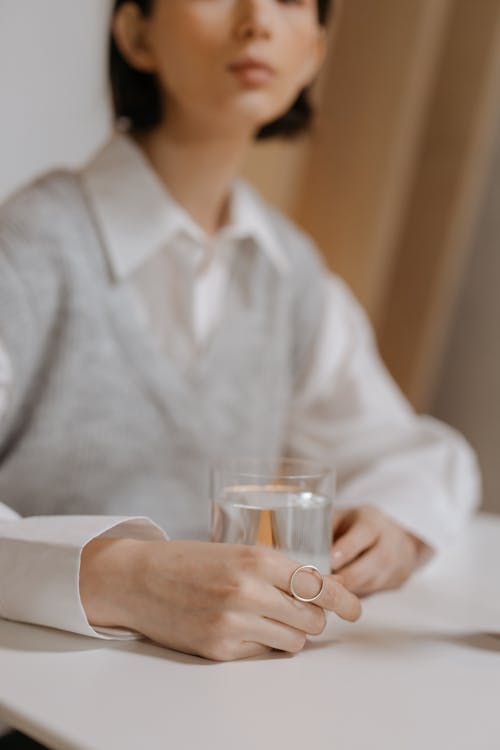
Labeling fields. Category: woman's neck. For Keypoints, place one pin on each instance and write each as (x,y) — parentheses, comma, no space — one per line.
(198,171)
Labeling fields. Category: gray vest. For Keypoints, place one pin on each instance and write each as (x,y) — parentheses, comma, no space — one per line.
(99,420)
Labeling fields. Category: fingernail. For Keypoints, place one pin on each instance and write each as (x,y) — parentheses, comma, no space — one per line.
(337,555)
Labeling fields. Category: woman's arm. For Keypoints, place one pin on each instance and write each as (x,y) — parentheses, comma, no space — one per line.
(407,484)
(40,564)
(220,601)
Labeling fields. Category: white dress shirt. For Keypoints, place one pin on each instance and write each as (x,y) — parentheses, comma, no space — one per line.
(416,469)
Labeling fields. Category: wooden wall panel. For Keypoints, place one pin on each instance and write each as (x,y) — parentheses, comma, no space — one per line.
(390,179)
(362,159)
(444,203)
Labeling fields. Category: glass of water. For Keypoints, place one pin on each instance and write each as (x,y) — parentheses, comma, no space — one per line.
(287,505)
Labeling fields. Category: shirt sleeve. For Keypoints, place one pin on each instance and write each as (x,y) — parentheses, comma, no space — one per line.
(349,413)
(40,556)
(40,567)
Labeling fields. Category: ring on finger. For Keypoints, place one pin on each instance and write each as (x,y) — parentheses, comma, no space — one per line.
(292,581)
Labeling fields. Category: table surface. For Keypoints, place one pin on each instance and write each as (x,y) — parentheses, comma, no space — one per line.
(420,670)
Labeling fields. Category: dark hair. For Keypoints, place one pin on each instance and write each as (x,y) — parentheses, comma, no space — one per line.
(137,96)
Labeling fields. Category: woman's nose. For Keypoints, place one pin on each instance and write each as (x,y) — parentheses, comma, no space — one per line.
(254,20)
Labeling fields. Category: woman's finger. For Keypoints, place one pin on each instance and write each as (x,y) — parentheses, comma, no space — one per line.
(276,635)
(248,649)
(337,598)
(360,537)
(233,649)
(276,604)
(365,574)
(386,565)
(278,569)
(272,598)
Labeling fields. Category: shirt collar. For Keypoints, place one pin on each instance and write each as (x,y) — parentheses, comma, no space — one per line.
(137,216)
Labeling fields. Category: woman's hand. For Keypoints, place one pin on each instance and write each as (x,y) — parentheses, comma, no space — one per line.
(372,552)
(220,601)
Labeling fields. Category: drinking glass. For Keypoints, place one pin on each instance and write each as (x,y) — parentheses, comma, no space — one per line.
(287,505)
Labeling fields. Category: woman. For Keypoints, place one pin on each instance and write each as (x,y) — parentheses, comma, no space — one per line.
(156,315)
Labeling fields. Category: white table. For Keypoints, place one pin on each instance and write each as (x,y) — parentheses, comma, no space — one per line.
(421,670)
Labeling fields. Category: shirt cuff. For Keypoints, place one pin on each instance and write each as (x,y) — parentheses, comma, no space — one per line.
(40,568)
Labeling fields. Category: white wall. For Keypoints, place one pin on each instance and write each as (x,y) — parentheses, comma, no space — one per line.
(53,88)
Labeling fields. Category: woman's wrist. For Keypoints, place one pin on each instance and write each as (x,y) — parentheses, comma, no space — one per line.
(110,570)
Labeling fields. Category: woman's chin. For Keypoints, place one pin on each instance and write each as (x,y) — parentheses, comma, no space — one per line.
(245,114)
(252,118)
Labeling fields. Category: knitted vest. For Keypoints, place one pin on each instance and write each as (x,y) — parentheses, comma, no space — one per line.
(100,421)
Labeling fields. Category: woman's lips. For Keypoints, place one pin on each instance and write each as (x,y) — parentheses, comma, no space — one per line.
(252,72)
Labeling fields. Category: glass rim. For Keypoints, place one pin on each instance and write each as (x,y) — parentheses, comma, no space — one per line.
(241,466)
